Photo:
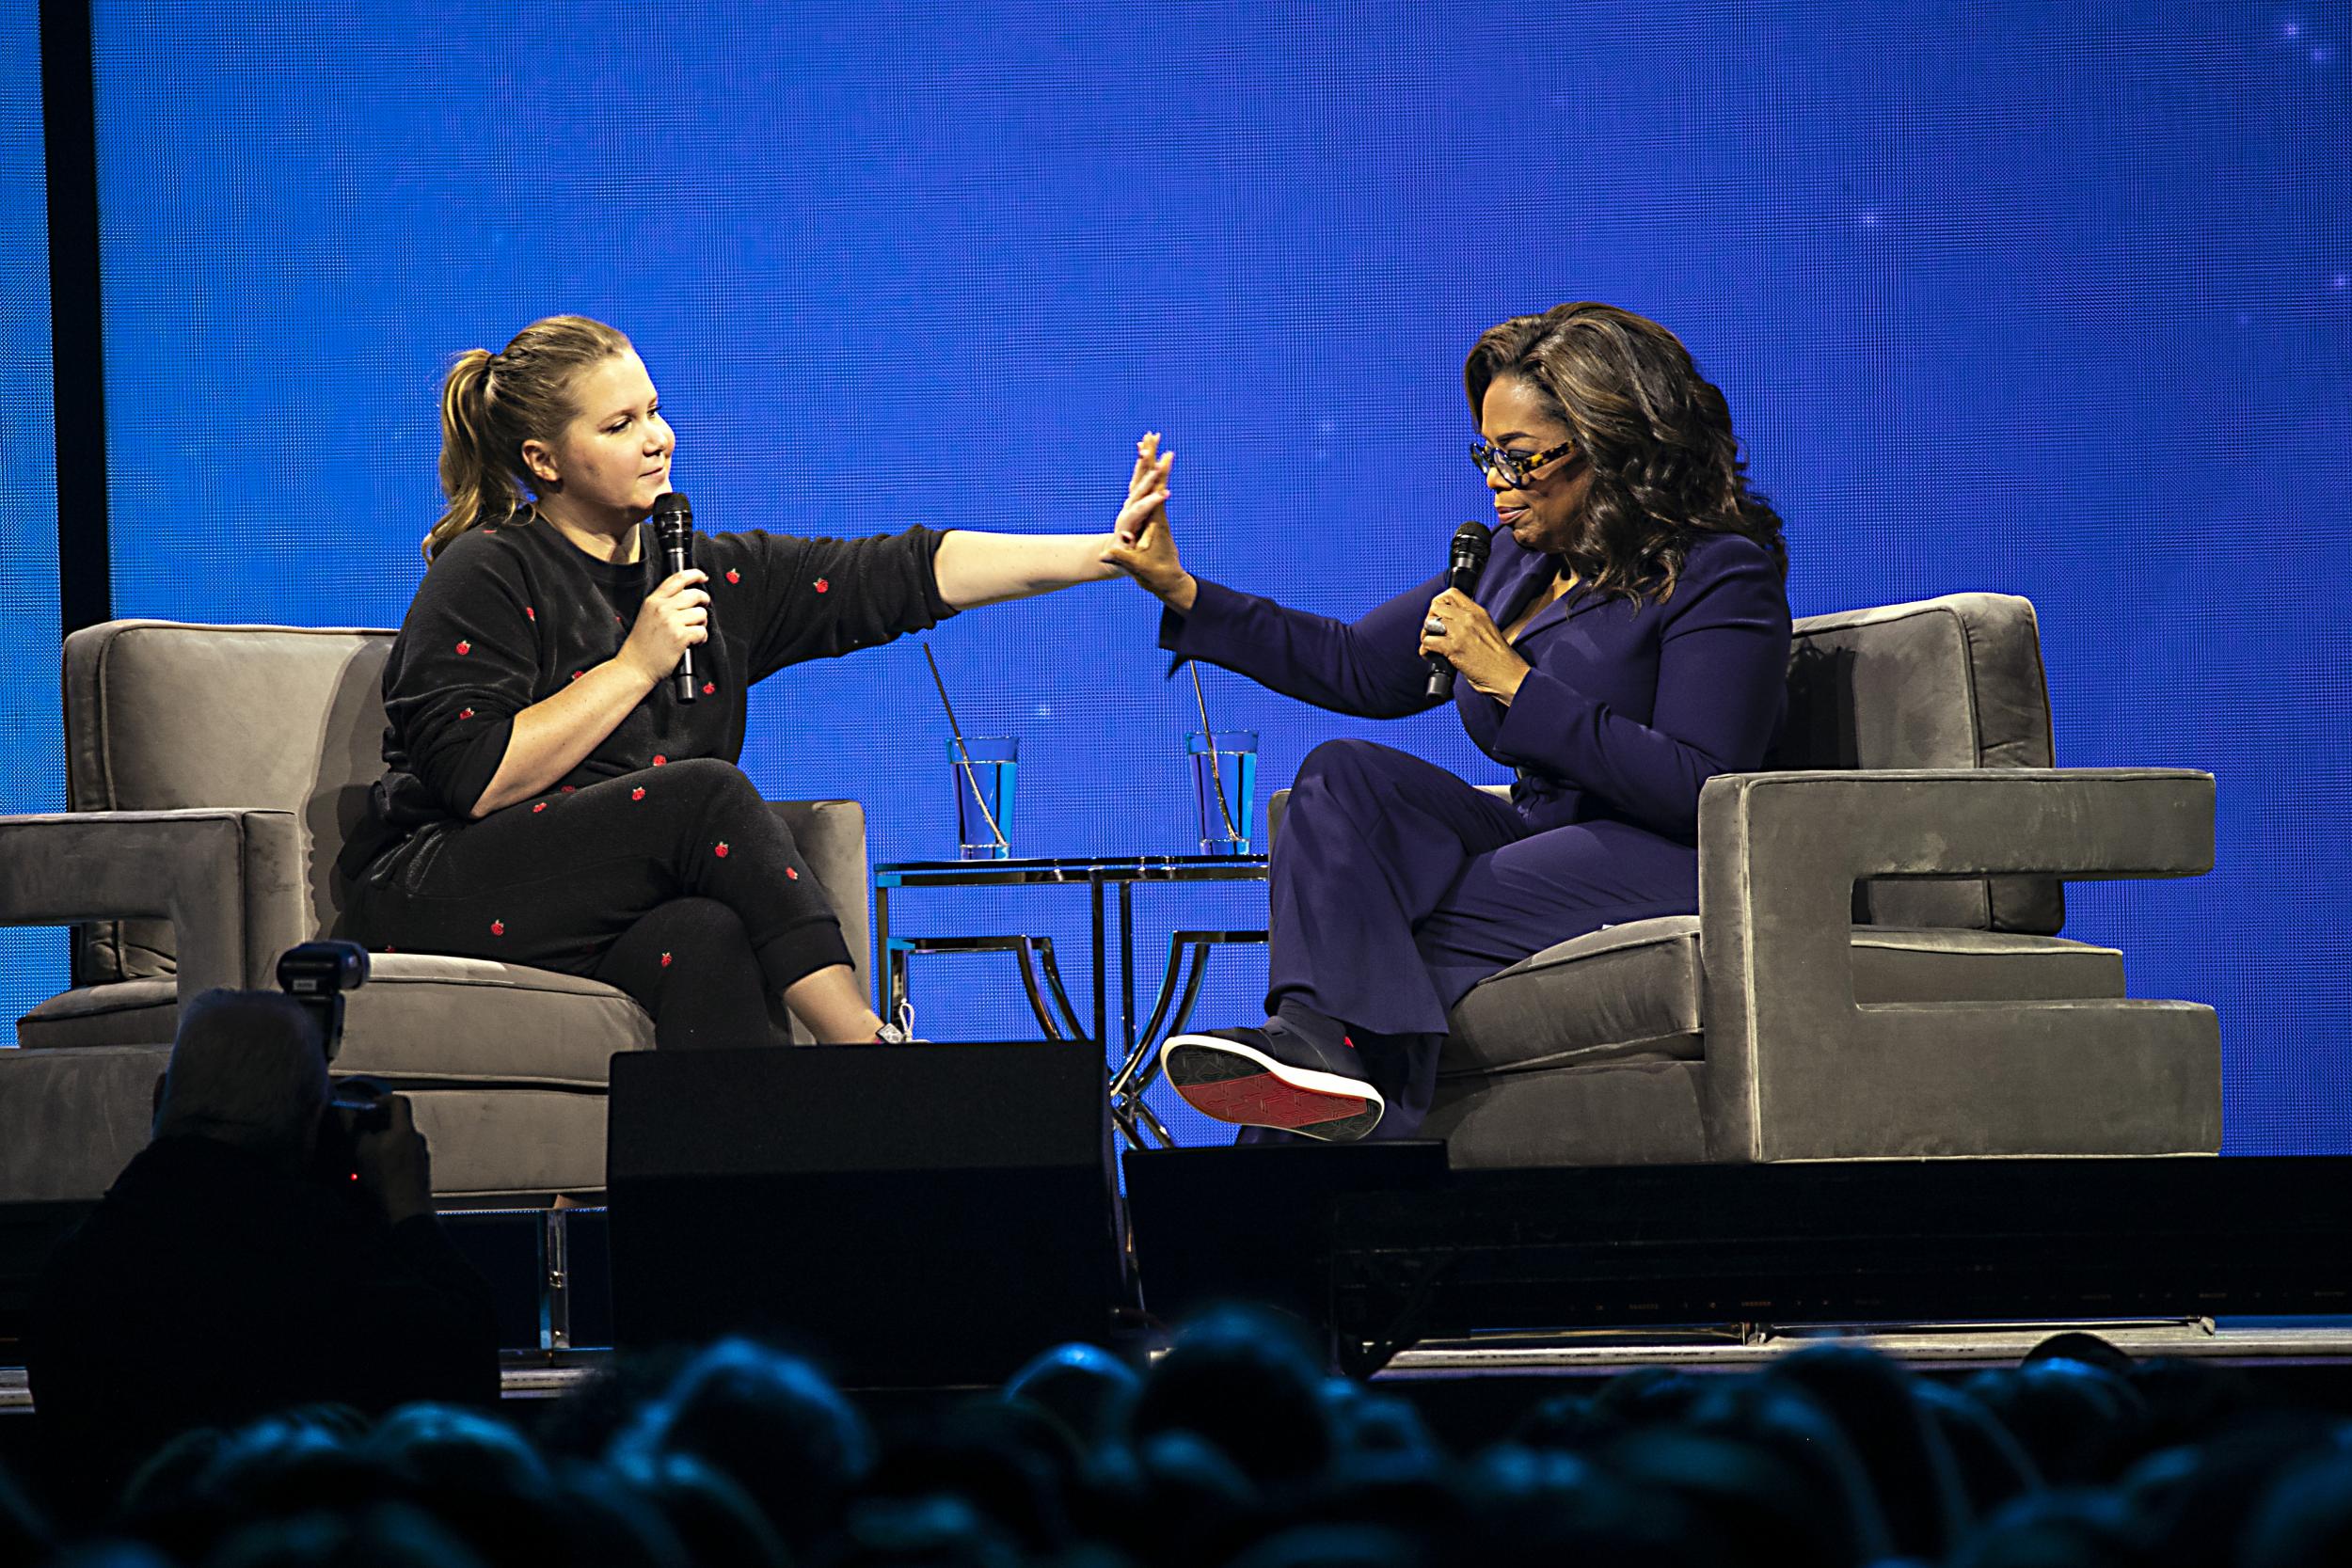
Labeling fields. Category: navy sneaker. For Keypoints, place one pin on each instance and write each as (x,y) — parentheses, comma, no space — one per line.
(1274,1077)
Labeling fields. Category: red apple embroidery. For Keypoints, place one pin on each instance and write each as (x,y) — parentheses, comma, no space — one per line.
(566,790)
(721,851)
(790,875)
(637,794)
(577,673)
(709,687)
(665,960)
(465,713)
(823,587)
(537,806)
(464,647)
(658,760)
(529,613)
(734,576)
(498,927)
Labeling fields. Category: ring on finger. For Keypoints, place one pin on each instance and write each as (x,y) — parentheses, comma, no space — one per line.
(1434,627)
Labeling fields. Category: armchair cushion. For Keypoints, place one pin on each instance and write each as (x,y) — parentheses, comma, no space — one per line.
(1637,991)
(420,1021)
(1949,682)
(70,1120)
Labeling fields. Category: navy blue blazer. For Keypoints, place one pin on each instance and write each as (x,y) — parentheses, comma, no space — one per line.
(1628,710)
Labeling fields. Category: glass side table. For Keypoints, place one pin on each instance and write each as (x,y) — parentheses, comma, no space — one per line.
(1040,973)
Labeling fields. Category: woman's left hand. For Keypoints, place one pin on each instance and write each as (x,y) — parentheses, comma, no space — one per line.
(1472,642)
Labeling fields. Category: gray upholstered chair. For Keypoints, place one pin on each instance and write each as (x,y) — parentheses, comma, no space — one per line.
(213,774)
(1875,970)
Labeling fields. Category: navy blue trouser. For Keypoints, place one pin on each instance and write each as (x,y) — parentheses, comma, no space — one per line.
(1397,886)
(678,884)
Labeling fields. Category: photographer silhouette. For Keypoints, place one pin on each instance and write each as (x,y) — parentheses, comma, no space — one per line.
(231,1271)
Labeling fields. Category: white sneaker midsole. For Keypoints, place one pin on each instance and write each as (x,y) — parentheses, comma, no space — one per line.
(1296,1077)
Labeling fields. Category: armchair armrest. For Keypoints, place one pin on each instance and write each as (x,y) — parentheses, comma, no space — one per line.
(231,881)
(1796,1069)
(2075,822)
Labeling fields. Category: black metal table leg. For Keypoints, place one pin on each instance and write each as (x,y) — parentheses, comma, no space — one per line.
(1053,980)
(1022,948)
(1094,912)
(1126,967)
(882,953)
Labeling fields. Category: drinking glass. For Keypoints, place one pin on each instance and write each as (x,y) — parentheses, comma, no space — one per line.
(1224,788)
(985,767)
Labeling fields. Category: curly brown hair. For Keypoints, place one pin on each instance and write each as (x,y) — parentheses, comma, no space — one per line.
(1655,435)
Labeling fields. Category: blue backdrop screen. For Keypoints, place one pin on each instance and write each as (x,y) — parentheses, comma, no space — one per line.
(2044,299)
(32,756)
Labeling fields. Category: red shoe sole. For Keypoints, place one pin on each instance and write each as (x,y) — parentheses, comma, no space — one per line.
(1262,1100)
(1266,1100)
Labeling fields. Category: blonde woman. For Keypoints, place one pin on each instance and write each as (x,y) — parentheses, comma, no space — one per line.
(547,800)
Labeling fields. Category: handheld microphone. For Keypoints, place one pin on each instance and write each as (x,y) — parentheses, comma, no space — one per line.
(673,526)
(1464,563)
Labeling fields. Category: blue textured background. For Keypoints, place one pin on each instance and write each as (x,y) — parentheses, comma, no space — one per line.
(32,759)
(2045,299)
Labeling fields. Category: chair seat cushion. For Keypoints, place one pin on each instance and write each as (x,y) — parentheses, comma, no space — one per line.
(1637,991)
(70,1120)
(420,1020)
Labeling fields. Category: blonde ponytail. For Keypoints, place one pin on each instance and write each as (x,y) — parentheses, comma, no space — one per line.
(491,404)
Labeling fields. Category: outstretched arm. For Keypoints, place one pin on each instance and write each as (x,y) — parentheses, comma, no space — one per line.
(989,568)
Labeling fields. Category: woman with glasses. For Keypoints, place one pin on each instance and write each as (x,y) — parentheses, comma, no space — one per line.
(1627,639)
(549,799)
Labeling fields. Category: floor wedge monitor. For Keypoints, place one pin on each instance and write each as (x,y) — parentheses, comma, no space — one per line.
(908,1216)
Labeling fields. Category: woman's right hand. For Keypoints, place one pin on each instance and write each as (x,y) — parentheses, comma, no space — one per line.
(1151,558)
(674,618)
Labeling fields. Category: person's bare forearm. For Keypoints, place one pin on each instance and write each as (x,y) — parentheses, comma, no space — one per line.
(555,735)
(989,568)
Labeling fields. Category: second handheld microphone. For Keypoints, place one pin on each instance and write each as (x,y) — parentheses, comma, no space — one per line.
(674,527)
(1464,563)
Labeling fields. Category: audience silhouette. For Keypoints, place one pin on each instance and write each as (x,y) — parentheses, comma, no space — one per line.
(1235,1448)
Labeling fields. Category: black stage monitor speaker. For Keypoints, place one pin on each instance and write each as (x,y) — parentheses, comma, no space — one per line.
(910,1216)
(1253,1223)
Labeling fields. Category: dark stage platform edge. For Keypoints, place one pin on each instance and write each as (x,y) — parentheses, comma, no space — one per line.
(1470,1392)
(1428,1276)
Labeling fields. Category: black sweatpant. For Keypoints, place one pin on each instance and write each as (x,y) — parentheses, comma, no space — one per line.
(678,884)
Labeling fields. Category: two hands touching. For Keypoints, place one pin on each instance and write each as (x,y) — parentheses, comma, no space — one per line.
(1141,545)
(1457,628)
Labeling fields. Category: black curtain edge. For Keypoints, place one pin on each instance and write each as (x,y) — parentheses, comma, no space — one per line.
(68,116)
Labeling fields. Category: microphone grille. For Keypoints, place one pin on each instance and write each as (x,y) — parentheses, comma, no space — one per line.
(671,510)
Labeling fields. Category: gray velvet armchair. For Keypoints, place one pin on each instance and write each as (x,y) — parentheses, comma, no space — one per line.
(213,774)
(1875,970)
